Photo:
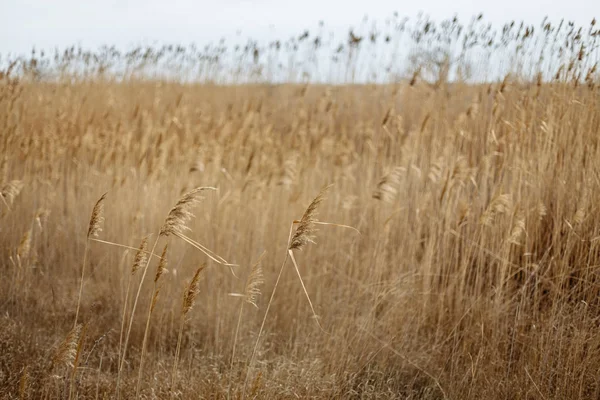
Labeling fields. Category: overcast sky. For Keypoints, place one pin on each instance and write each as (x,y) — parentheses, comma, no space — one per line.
(124,23)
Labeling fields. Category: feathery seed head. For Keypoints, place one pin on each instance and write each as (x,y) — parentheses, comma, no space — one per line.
(518,229)
(306,228)
(10,190)
(255,279)
(387,188)
(542,210)
(499,205)
(24,245)
(67,351)
(191,292)
(162,265)
(154,299)
(180,214)
(97,218)
(141,256)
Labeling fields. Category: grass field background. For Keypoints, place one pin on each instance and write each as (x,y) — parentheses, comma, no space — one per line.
(470,271)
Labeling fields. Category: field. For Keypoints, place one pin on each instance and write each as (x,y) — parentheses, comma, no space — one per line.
(429,238)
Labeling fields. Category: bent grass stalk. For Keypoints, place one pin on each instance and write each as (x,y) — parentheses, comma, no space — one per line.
(189,298)
(250,296)
(175,224)
(94,229)
(76,361)
(302,236)
(162,267)
(140,259)
(131,318)
(124,247)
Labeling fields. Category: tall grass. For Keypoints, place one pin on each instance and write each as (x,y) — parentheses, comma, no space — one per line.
(469,171)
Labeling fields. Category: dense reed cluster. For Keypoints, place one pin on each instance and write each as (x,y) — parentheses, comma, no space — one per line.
(431,237)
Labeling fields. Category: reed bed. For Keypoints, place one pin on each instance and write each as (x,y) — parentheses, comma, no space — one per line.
(471,269)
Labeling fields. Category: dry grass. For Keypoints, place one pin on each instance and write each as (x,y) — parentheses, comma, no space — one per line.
(475,273)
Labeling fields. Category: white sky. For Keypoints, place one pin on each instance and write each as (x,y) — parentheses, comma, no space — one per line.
(47,24)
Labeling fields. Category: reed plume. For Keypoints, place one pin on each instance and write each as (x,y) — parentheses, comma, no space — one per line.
(387,187)
(181,214)
(178,217)
(306,227)
(66,352)
(97,218)
(9,191)
(24,246)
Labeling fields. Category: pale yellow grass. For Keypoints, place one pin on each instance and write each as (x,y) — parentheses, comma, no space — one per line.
(475,273)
